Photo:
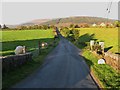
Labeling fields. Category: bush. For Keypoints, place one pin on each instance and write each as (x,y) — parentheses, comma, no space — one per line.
(84,25)
(75,34)
(71,25)
(65,32)
(76,26)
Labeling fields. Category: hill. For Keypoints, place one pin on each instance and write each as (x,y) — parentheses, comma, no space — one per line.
(77,20)
(69,20)
(36,21)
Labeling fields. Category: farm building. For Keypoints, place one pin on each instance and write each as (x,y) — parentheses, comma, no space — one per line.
(2,26)
(102,24)
(94,25)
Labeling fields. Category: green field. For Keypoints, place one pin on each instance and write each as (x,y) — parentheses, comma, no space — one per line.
(108,35)
(28,38)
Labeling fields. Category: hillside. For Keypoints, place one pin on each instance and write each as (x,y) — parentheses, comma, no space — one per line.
(36,21)
(78,20)
(69,20)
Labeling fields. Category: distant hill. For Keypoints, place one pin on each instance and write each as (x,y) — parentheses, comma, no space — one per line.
(69,20)
(36,21)
(77,20)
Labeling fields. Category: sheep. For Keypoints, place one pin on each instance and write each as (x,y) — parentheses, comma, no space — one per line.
(20,50)
(44,44)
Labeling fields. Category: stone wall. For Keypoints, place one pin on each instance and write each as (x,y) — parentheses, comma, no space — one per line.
(113,60)
(11,62)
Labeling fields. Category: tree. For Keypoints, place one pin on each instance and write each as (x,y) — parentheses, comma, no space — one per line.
(21,27)
(3,26)
(75,34)
(45,27)
(35,26)
(84,25)
(30,27)
(76,26)
(71,25)
(65,32)
(117,23)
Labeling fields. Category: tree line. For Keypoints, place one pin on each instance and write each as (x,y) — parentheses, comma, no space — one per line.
(73,34)
(45,27)
(27,27)
(86,25)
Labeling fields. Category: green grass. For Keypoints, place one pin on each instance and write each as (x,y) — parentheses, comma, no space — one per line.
(25,35)
(106,74)
(28,38)
(14,76)
(108,35)
(108,77)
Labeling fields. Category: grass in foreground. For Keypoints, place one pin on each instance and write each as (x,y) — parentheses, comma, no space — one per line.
(20,73)
(108,77)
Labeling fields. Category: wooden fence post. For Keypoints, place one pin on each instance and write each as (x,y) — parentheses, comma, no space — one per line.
(39,46)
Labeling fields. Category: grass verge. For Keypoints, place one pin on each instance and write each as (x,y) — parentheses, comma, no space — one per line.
(20,73)
(106,75)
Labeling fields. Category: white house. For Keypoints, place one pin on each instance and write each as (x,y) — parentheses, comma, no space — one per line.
(2,26)
(94,25)
(102,24)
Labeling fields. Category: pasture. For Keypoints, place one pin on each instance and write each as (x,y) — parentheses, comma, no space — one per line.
(108,35)
(28,38)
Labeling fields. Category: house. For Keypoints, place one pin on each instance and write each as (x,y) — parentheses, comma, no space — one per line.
(102,24)
(94,25)
(2,26)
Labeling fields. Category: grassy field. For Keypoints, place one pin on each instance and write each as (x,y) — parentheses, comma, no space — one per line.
(108,35)
(28,38)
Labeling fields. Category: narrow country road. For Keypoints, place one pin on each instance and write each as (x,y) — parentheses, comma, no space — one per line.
(63,68)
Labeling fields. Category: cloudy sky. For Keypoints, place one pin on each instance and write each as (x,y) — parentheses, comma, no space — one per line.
(20,12)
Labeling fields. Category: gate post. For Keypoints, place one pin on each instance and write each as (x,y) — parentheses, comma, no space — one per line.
(39,46)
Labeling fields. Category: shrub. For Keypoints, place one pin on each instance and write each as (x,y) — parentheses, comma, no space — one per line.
(75,34)
(65,32)
(71,25)
(76,26)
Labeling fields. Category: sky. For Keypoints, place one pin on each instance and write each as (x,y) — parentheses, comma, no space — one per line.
(20,12)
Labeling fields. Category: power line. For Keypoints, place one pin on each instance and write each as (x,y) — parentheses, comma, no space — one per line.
(108,10)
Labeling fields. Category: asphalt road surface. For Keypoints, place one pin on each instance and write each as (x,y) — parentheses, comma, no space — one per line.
(62,68)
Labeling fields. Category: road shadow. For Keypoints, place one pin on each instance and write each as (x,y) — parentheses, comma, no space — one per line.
(107,48)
